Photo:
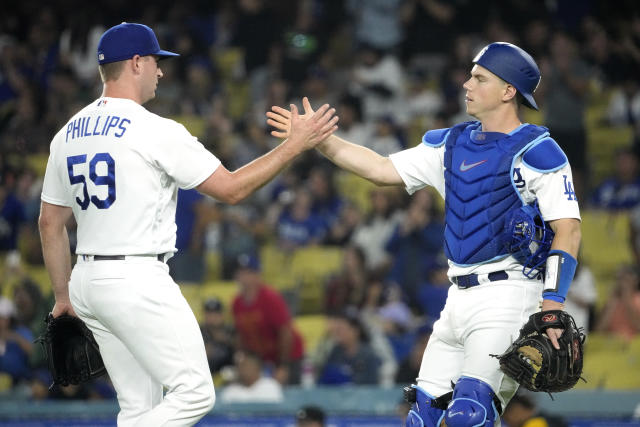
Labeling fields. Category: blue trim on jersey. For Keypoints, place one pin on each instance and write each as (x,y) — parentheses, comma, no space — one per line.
(513,163)
(516,130)
(545,156)
(436,137)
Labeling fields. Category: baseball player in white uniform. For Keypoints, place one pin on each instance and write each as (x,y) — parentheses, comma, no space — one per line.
(488,171)
(116,167)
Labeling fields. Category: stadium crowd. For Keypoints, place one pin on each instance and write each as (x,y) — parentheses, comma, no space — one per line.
(392,69)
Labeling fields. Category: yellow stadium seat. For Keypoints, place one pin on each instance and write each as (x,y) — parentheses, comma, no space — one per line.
(312,328)
(598,342)
(355,189)
(5,382)
(311,267)
(213,266)
(605,246)
(276,267)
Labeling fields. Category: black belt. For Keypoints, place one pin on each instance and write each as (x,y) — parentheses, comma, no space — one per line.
(160,257)
(471,280)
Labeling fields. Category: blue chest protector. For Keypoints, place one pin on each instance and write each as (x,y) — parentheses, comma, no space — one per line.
(480,191)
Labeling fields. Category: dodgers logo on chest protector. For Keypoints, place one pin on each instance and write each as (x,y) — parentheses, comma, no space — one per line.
(479,190)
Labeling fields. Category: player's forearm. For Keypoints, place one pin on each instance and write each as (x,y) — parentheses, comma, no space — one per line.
(567,235)
(255,174)
(360,160)
(57,258)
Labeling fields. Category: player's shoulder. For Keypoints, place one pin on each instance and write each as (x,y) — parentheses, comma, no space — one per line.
(545,156)
(435,137)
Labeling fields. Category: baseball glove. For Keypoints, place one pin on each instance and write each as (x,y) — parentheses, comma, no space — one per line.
(72,352)
(533,361)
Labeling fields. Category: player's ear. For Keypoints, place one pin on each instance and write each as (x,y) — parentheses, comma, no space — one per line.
(509,93)
(135,64)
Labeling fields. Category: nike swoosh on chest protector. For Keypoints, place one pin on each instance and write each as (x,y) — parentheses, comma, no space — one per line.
(465,167)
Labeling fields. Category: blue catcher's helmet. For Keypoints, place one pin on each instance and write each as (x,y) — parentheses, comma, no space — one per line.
(514,66)
(528,239)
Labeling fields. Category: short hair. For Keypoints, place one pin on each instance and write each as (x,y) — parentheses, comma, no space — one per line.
(111,70)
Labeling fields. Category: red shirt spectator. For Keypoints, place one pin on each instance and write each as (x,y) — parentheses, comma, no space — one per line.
(263,322)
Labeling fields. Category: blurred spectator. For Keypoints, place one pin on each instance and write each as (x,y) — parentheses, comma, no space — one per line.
(218,336)
(255,33)
(429,28)
(564,88)
(522,412)
(410,367)
(385,140)
(12,214)
(193,214)
(379,80)
(343,228)
(622,191)
(377,22)
(624,104)
(432,295)
(78,46)
(352,360)
(15,344)
(582,296)
(375,231)
(327,203)
(301,46)
(621,313)
(263,323)
(299,225)
(348,287)
(310,416)
(241,229)
(394,313)
(31,310)
(416,244)
(252,385)
(352,128)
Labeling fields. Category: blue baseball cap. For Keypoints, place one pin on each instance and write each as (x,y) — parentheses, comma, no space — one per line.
(514,66)
(126,40)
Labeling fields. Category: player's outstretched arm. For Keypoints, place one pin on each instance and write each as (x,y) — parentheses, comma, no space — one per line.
(352,157)
(233,187)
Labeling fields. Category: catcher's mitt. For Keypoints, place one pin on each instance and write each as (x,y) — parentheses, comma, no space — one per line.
(72,352)
(533,361)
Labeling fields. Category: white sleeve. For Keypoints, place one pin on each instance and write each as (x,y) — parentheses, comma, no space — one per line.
(182,156)
(55,185)
(420,166)
(553,190)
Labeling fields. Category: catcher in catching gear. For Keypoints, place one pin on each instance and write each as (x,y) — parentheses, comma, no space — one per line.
(534,362)
(72,353)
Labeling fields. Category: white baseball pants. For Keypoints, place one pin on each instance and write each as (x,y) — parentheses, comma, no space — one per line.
(149,340)
(475,323)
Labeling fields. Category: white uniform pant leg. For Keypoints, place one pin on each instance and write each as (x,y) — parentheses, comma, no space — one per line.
(475,323)
(139,304)
(444,356)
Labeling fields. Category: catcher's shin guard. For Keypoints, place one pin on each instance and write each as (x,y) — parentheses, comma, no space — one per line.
(474,404)
(422,413)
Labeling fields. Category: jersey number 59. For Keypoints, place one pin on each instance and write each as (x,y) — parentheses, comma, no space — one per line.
(109,179)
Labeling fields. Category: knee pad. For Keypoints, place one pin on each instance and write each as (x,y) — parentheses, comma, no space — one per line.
(422,413)
(473,404)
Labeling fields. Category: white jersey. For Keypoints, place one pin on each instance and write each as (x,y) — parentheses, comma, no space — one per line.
(119,167)
(424,165)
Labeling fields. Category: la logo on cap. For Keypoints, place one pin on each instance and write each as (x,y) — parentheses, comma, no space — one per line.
(101,57)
